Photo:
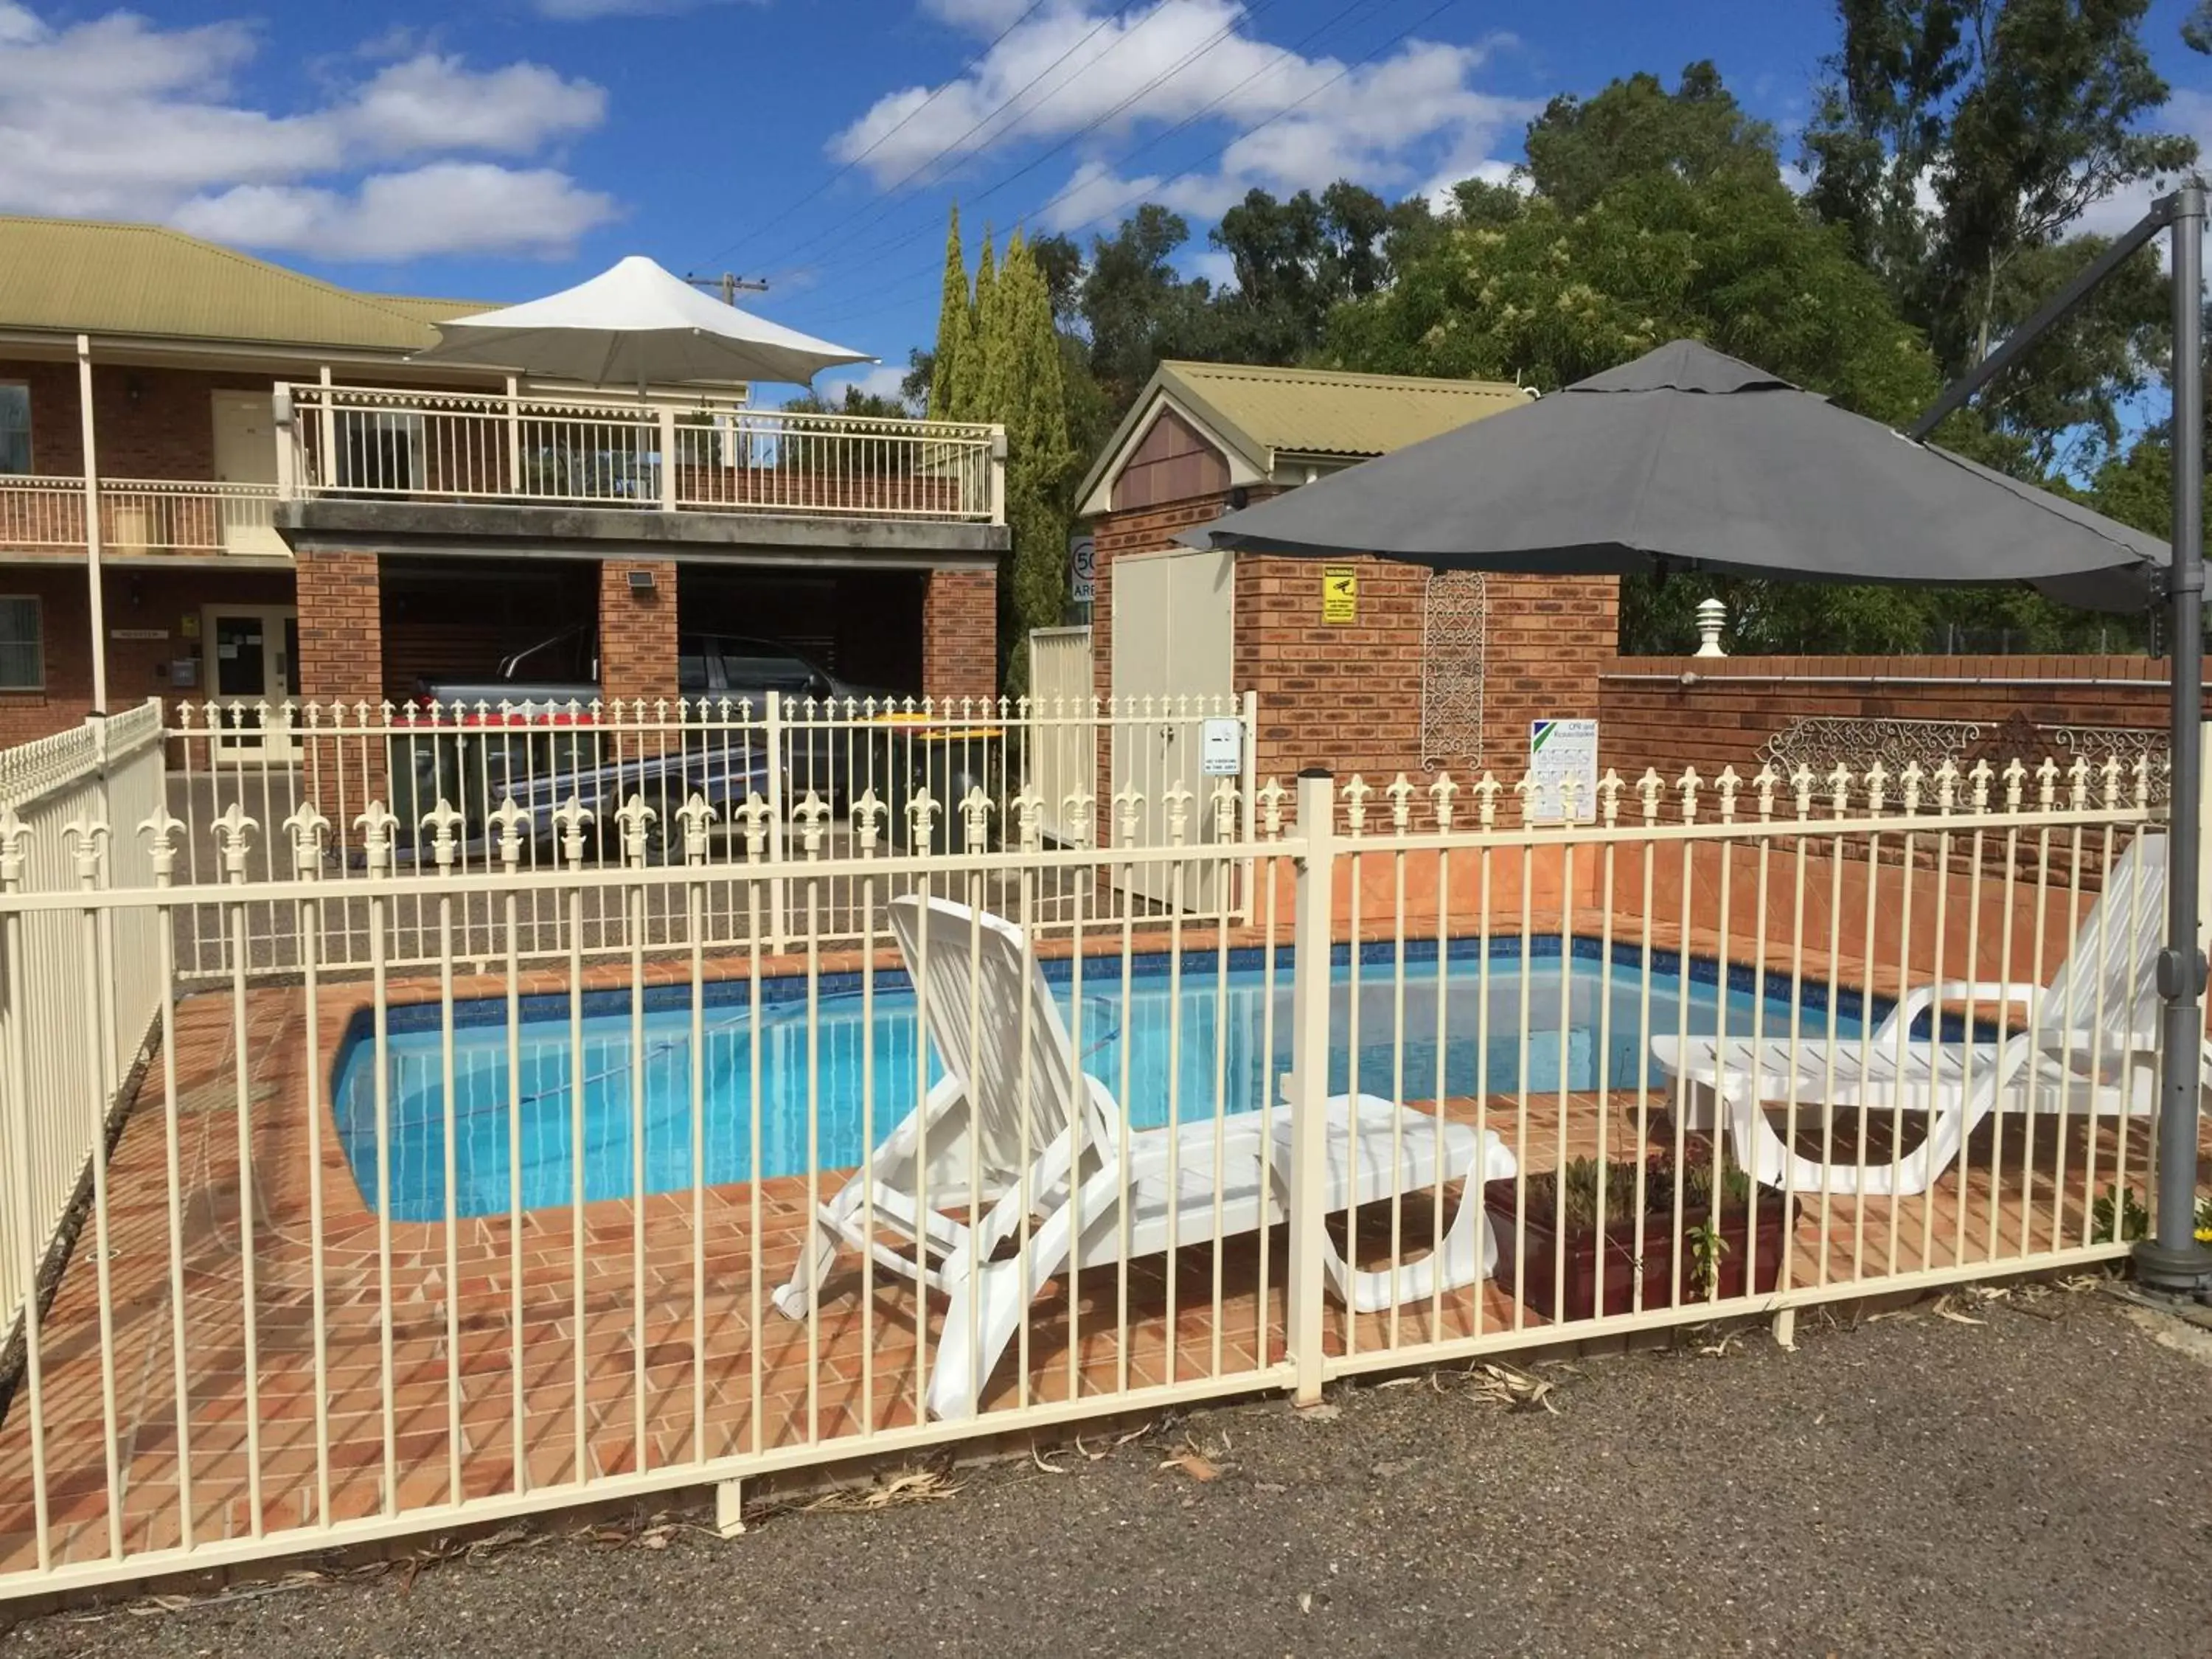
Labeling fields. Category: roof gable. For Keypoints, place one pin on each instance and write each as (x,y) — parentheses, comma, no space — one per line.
(1260,414)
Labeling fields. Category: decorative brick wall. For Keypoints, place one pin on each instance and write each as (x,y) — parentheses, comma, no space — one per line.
(1727,706)
(960,634)
(637,630)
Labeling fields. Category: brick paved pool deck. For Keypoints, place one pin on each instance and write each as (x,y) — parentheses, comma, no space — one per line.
(722,1372)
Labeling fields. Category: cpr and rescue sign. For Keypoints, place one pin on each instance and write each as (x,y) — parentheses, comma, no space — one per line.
(1562,767)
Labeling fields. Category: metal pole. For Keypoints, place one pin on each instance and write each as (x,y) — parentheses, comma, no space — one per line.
(2172,1259)
(95,597)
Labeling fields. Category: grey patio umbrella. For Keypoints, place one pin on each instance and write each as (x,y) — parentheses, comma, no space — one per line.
(1688,458)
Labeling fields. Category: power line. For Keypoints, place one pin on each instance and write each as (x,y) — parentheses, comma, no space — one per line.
(783,213)
(871,310)
(893,189)
(1100,120)
(1284,55)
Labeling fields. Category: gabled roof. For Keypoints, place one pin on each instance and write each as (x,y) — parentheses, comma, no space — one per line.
(95,277)
(1263,414)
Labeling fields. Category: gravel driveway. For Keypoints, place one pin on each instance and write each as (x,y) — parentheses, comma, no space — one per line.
(1918,1484)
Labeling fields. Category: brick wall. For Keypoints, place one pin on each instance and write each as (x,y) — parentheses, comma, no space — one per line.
(1732,705)
(960,634)
(151,423)
(637,630)
(138,601)
(1348,696)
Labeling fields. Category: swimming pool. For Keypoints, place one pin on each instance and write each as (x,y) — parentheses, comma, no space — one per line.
(1585,1020)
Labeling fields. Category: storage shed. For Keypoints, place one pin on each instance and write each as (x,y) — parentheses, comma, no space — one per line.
(1368,666)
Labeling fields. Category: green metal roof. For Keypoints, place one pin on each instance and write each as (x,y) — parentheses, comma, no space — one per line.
(95,277)
(1310,411)
(1264,414)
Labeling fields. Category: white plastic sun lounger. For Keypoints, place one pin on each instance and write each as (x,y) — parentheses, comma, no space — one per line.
(2087,1046)
(1009,1063)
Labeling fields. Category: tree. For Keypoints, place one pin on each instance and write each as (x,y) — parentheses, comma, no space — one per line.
(1138,308)
(1578,149)
(1294,260)
(1529,289)
(971,374)
(1957,146)
(955,326)
(1059,262)
(1026,394)
(1511,284)
(1008,366)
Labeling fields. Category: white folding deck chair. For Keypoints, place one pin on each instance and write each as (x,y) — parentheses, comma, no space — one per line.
(2087,1045)
(1009,1063)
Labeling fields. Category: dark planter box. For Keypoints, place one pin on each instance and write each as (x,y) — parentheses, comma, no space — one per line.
(1777,1220)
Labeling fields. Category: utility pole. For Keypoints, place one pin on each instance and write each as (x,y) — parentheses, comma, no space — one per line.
(729,285)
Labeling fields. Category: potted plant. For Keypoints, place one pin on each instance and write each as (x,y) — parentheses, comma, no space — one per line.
(1719,1243)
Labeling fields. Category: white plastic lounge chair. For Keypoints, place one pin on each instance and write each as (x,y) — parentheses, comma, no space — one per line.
(2088,1044)
(1006,1066)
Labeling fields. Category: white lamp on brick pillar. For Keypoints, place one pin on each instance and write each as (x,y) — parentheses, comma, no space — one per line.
(1712,617)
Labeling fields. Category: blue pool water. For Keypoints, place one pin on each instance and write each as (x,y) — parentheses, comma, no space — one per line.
(1582,1009)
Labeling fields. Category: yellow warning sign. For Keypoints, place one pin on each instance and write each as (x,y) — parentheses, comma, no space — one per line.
(1340,593)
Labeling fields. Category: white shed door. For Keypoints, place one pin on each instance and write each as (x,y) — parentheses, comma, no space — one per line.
(1174,638)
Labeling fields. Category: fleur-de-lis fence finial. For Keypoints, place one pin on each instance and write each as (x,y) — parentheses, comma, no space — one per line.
(234,832)
(162,831)
(635,821)
(307,829)
(376,823)
(697,817)
(443,821)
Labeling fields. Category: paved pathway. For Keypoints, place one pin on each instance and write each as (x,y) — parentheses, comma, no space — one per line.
(2040,1481)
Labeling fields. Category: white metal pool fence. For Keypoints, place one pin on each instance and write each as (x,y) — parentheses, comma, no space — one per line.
(384,1246)
(481,788)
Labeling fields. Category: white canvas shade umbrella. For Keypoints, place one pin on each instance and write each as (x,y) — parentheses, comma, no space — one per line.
(636,323)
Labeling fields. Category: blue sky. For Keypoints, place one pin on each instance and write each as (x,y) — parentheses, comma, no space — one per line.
(505,148)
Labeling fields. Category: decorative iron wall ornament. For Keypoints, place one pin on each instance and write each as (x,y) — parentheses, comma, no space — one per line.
(1454,610)
(1823,741)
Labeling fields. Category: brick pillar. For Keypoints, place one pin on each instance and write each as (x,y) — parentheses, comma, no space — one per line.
(960,634)
(341,663)
(637,630)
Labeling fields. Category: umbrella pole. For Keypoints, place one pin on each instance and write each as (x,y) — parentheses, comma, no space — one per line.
(2172,1259)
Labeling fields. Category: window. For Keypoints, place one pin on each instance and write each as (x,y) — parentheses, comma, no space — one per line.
(15,426)
(23,647)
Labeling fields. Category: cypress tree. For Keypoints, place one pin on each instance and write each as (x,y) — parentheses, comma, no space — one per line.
(956,324)
(1028,395)
(971,386)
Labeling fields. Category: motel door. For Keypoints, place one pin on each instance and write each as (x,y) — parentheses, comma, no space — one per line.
(1172,638)
(246,453)
(251,654)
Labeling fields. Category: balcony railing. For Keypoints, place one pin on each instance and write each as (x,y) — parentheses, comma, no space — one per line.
(139,516)
(359,442)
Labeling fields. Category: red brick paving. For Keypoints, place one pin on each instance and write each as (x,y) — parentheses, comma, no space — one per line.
(711,1386)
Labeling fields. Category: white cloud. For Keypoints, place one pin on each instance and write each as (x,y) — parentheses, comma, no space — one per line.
(429,103)
(392,216)
(581,11)
(880,382)
(1298,121)
(120,116)
(2187,111)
